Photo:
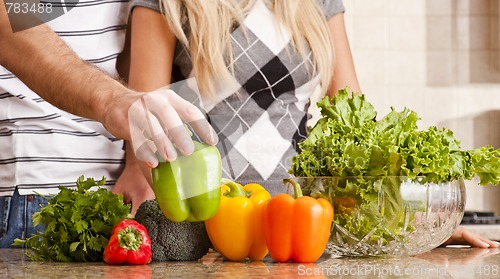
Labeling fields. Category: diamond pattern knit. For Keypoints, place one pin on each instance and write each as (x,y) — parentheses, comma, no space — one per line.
(262,114)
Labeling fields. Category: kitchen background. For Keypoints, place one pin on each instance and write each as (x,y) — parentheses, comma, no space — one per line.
(440,58)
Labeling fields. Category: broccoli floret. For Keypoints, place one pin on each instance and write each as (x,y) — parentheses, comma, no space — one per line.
(172,241)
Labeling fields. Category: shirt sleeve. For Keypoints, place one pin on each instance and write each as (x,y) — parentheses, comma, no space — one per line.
(151,4)
(331,7)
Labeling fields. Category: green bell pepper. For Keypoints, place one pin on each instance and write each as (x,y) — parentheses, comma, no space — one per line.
(188,189)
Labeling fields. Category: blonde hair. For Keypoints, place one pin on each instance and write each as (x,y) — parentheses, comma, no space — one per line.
(204,27)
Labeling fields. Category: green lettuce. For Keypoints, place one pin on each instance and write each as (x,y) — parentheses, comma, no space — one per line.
(370,157)
(349,141)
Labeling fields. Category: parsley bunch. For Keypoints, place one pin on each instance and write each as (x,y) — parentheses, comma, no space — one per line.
(78,223)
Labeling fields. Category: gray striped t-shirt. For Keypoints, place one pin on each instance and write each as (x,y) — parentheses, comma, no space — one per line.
(41,146)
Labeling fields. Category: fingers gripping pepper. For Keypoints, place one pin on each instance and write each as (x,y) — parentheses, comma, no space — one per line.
(236,229)
(297,229)
(129,243)
(188,189)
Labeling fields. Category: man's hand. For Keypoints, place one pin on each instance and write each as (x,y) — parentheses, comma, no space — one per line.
(156,124)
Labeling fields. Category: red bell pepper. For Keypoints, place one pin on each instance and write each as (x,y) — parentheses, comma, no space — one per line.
(297,229)
(129,243)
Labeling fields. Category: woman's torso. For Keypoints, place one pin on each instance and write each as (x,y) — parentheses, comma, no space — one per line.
(262,114)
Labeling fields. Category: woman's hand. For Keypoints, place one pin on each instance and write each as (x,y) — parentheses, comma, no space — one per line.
(134,187)
(132,183)
(462,236)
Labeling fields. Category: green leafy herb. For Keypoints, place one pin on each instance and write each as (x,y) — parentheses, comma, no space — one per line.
(77,223)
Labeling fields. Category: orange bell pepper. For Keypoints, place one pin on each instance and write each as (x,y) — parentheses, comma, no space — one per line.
(297,229)
(236,229)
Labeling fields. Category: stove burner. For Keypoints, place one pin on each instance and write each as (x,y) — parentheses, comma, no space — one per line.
(480,218)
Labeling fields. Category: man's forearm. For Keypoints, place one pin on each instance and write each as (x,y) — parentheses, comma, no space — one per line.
(51,69)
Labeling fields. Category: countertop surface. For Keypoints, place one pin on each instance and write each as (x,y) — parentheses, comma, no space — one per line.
(450,262)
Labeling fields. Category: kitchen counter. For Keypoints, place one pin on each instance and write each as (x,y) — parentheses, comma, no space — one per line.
(450,262)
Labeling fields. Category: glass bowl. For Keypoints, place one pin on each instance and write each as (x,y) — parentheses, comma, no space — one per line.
(390,215)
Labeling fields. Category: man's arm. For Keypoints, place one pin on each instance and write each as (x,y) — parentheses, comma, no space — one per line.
(39,58)
(49,67)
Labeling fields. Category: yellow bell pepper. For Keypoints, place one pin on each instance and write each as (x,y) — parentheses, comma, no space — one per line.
(236,229)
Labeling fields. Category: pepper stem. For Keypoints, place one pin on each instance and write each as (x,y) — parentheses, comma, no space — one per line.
(235,190)
(297,190)
(130,239)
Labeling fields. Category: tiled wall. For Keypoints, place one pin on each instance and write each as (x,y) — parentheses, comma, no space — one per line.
(438,57)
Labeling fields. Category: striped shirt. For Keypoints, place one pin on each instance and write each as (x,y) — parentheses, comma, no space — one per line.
(42,147)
